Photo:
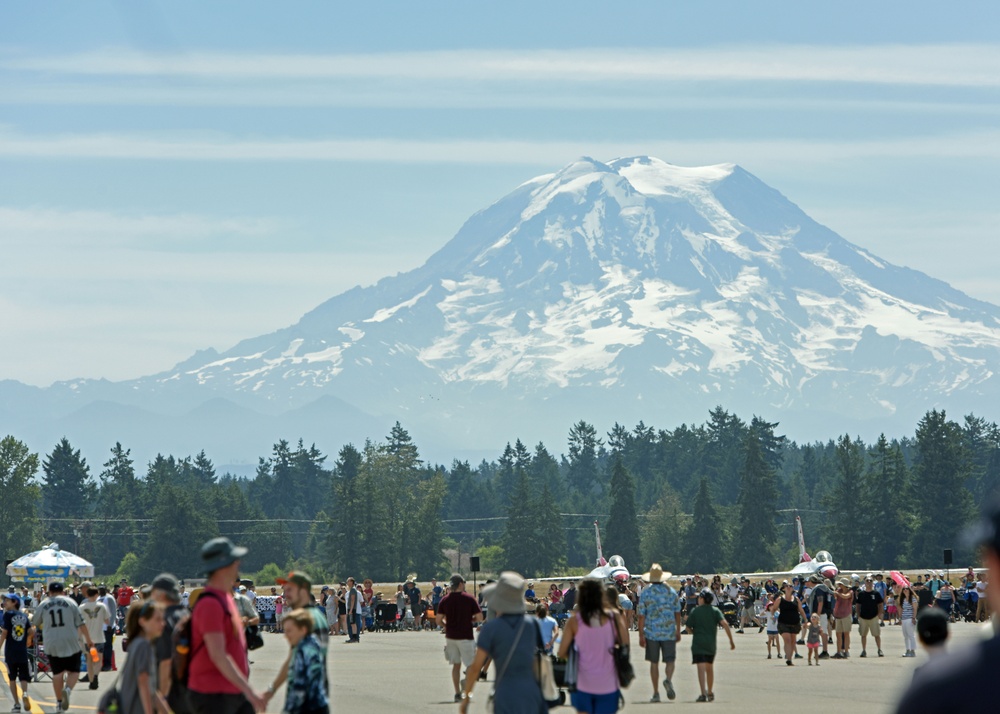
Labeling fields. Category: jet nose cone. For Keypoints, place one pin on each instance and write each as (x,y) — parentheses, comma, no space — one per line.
(621,577)
(830,572)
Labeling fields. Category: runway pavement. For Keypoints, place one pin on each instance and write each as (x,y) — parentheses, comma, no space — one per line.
(406,671)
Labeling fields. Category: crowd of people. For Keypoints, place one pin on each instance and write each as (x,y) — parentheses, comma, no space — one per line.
(190,651)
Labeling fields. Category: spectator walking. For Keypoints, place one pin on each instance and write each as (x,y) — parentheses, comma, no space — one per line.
(307,691)
(297,595)
(790,618)
(703,625)
(415,607)
(124,599)
(813,635)
(821,603)
(166,592)
(218,679)
(138,679)
(593,631)
(457,613)
(109,632)
(659,614)
(510,639)
(771,623)
(549,626)
(97,619)
(870,606)
(15,632)
(61,622)
(908,620)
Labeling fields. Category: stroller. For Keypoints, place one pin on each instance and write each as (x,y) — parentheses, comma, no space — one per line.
(729,611)
(385,617)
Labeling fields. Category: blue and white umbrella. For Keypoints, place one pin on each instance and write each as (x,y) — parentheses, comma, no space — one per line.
(50,564)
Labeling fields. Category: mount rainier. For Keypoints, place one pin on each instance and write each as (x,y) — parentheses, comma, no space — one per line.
(626,291)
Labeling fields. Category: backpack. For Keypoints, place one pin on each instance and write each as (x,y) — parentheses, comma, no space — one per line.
(180,641)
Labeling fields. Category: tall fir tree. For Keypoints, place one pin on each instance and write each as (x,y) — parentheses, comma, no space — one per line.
(120,496)
(623,523)
(551,535)
(519,538)
(849,513)
(887,489)
(68,490)
(753,546)
(662,532)
(703,541)
(942,505)
(180,526)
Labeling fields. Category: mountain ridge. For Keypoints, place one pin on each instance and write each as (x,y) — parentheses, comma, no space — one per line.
(610,289)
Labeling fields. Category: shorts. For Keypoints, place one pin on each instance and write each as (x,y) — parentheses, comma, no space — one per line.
(656,648)
(19,670)
(812,645)
(65,664)
(596,703)
(772,633)
(869,627)
(460,651)
(843,624)
(702,659)
(891,611)
(789,629)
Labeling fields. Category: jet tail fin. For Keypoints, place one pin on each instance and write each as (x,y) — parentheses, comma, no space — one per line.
(803,555)
(600,553)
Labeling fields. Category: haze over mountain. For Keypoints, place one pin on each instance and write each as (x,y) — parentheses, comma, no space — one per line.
(632,290)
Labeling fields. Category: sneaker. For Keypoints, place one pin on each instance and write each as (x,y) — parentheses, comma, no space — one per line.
(847,655)
(458,696)
(655,698)
(810,663)
(711,697)
(769,656)
(798,656)
(880,653)
(65,699)
(863,653)
(93,684)
(824,655)
(838,656)
(26,702)
(669,686)
(15,708)
(789,663)
(702,698)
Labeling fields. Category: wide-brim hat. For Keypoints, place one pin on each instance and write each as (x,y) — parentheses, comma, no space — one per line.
(656,574)
(844,582)
(506,595)
(220,552)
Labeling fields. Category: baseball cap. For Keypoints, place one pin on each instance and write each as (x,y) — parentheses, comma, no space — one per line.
(12,596)
(296,577)
(56,587)
(456,580)
(167,583)
(243,588)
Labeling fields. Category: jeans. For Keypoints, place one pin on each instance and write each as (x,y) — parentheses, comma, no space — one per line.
(109,638)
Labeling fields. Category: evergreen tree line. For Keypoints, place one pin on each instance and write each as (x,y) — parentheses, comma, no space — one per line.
(716,497)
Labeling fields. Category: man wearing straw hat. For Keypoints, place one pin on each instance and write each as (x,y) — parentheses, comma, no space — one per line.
(659,628)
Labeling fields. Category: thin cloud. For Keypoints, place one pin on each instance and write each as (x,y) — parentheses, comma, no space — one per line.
(971,145)
(943,64)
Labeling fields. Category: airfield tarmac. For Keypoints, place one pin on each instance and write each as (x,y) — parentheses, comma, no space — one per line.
(406,671)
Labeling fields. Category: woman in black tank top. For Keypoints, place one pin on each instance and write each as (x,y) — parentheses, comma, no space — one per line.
(790,618)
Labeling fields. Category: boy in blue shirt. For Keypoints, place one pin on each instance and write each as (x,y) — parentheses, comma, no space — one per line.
(15,633)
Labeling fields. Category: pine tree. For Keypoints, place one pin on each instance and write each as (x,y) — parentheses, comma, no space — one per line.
(120,496)
(942,505)
(623,524)
(551,536)
(19,498)
(520,541)
(753,546)
(703,542)
(583,445)
(178,530)
(887,490)
(68,490)
(662,531)
(427,557)
(849,514)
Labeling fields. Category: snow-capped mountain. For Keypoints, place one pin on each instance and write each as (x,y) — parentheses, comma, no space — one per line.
(622,291)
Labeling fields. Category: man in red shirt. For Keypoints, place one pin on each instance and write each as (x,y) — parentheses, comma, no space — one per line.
(218,675)
(457,612)
(125,596)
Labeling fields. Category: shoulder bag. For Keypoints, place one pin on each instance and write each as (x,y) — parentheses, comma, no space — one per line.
(623,666)
(543,670)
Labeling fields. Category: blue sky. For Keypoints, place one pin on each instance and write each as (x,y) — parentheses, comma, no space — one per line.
(181,175)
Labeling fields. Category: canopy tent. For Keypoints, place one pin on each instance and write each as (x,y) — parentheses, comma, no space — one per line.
(50,564)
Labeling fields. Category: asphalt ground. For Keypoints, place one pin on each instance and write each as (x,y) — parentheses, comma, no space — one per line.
(406,671)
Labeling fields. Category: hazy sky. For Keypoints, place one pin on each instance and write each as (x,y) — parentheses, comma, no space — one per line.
(179,175)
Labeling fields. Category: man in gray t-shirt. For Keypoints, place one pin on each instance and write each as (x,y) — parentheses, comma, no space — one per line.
(62,626)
